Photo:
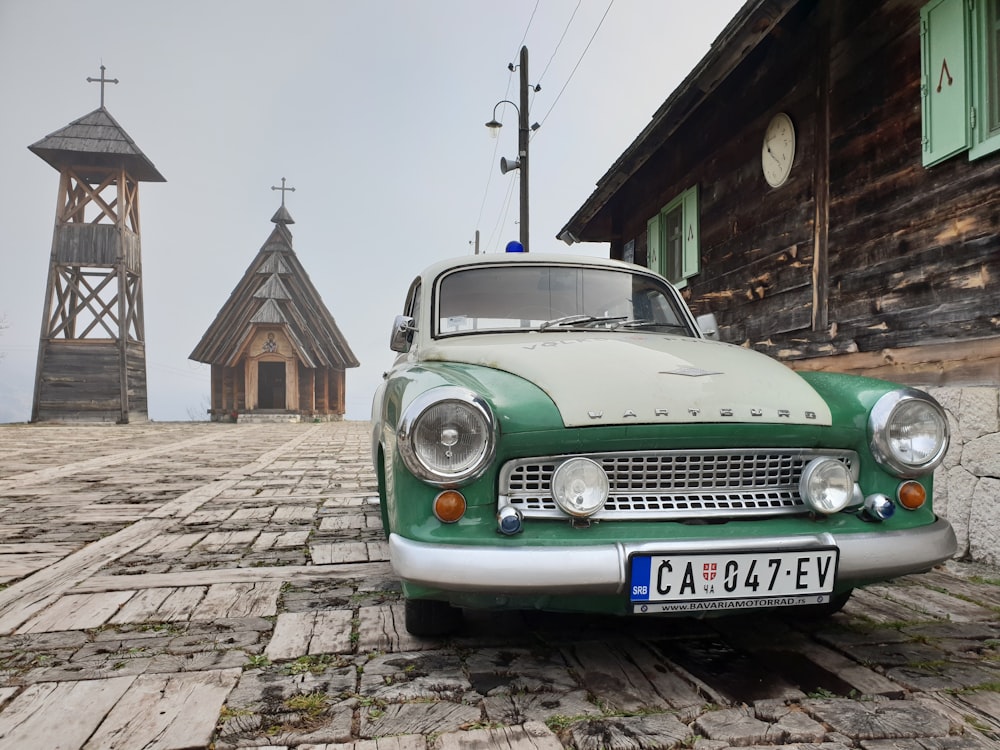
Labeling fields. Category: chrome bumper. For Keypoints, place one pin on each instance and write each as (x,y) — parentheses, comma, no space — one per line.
(603,569)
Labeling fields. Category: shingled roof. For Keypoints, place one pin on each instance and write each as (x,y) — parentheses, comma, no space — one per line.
(276,290)
(749,27)
(96,140)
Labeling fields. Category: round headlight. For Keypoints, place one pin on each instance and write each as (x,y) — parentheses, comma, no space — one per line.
(826,485)
(580,487)
(447,436)
(908,432)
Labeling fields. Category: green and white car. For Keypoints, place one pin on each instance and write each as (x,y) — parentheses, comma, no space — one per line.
(558,433)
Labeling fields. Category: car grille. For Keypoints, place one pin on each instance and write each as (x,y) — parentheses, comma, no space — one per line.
(676,485)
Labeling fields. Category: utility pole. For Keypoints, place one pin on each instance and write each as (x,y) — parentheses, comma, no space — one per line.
(523,132)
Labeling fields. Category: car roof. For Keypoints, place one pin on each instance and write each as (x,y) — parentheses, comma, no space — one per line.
(436,269)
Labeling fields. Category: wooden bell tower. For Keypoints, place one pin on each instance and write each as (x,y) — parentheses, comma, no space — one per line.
(92,349)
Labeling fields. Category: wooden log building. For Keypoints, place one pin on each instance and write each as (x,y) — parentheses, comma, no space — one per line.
(92,349)
(275,350)
(827,182)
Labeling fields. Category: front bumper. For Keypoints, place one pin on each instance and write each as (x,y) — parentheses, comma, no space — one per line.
(603,569)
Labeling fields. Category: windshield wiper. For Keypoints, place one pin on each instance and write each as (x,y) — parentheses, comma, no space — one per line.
(637,323)
(653,324)
(579,320)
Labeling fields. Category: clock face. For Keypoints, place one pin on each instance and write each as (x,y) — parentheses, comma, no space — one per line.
(778,151)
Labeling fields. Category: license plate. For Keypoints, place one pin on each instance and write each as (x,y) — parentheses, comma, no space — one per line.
(731,580)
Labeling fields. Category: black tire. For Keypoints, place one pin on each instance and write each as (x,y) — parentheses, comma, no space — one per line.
(429,618)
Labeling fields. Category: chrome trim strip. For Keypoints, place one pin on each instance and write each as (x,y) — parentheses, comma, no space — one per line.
(603,568)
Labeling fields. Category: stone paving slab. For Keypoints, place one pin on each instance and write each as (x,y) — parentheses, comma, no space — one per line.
(224,586)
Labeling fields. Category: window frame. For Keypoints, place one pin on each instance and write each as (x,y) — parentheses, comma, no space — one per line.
(983,140)
(957,32)
(685,261)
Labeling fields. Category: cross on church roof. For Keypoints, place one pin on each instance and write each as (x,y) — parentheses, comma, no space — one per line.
(102,80)
(283,190)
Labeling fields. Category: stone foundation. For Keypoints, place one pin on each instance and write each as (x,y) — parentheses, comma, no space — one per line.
(279,417)
(967,484)
(265,418)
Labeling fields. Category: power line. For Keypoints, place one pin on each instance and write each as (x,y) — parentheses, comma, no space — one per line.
(532,18)
(494,239)
(185,372)
(506,95)
(554,51)
(507,201)
(582,55)
(489,179)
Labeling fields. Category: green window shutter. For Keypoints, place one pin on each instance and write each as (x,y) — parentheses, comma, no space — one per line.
(691,260)
(944,90)
(653,254)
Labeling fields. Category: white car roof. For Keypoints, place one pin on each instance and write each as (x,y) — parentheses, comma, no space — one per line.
(434,270)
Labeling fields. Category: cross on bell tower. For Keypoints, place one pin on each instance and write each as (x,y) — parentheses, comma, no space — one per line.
(92,348)
(283,190)
(281,216)
(102,80)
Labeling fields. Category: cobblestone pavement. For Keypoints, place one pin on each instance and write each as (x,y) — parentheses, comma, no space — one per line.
(201,585)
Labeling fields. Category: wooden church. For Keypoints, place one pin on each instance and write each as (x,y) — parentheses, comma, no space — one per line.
(275,350)
(92,348)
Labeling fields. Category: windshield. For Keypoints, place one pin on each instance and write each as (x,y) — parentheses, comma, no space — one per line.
(504,298)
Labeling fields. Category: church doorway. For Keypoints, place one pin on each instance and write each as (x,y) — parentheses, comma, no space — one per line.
(271,385)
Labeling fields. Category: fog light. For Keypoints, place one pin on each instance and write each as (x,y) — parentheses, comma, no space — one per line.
(826,485)
(912,495)
(879,506)
(580,487)
(449,506)
(509,520)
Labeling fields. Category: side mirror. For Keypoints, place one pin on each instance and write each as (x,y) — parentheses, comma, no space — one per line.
(709,326)
(402,333)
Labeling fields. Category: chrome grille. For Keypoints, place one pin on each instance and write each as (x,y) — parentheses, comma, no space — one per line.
(676,485)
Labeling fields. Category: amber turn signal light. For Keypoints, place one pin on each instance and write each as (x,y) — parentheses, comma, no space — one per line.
(912,495)
(449,506)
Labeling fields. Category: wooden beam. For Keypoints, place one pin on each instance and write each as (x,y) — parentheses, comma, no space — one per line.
(821,186)
(955,364)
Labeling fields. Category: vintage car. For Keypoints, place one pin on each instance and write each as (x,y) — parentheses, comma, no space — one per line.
(558,433)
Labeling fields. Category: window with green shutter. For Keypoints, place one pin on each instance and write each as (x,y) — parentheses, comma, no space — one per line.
(960,78)
(672,239)
(986,77)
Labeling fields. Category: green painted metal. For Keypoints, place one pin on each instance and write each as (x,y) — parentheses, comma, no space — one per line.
(530,425)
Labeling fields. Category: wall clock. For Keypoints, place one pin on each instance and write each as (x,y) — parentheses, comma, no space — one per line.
(778,151)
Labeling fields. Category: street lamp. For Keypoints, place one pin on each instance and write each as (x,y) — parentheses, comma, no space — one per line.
(523,131)
(506,165)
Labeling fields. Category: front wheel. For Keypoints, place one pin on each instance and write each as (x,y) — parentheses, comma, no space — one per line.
(430,618)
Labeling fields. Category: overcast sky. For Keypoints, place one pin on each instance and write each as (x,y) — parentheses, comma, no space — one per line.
(373,110)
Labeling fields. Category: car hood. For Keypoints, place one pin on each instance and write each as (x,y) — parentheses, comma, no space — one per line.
(632,378)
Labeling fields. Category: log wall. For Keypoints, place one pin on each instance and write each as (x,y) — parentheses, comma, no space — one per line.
(903,256)
(81,381)
(96,245)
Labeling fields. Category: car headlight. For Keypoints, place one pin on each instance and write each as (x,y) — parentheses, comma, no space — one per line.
(908,431)
(447,436)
